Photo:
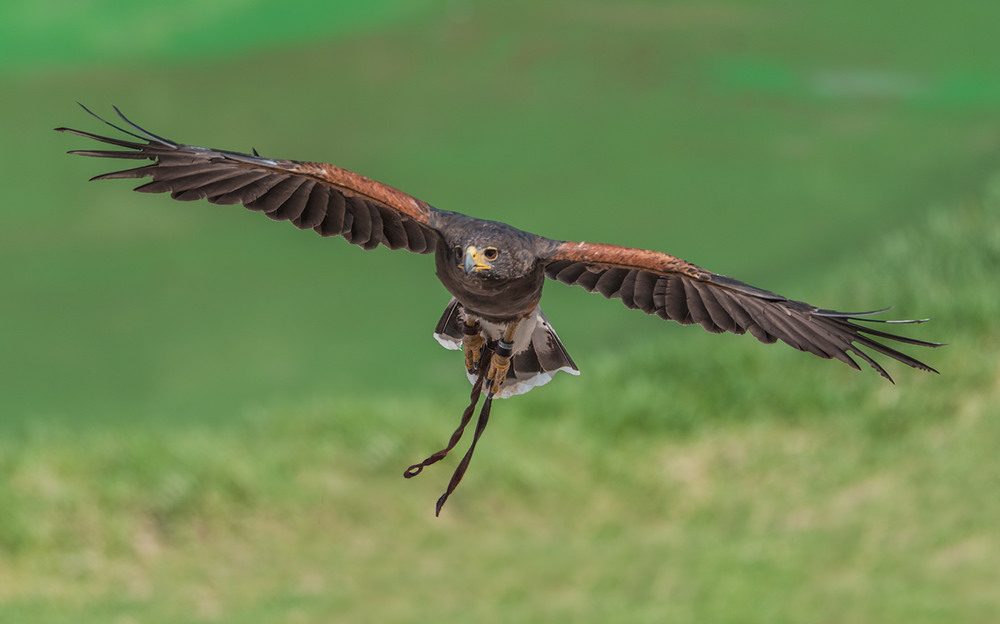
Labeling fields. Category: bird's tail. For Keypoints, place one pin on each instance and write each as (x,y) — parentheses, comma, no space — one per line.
(534,365)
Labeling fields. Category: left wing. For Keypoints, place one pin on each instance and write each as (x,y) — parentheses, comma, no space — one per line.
(676,290)
(312,196)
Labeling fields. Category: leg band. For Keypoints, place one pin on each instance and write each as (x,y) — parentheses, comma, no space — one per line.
(504,349)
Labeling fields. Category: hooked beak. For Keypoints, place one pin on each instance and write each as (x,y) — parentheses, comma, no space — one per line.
(474,260)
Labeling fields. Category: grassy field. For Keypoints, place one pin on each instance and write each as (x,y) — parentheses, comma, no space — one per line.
(200,423)
(680,487)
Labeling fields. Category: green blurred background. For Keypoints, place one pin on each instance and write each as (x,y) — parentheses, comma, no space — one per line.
(205,414)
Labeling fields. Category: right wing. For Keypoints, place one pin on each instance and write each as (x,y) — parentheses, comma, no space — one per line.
(676,290)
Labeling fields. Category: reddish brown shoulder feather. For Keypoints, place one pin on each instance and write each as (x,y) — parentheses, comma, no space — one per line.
(616,256)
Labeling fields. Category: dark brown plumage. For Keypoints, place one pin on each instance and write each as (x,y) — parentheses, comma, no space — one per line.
(495,272)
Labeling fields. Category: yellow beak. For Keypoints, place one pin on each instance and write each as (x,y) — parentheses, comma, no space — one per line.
(474,260)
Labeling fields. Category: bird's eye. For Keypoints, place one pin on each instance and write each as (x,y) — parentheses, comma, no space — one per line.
(491,253)
(458,254)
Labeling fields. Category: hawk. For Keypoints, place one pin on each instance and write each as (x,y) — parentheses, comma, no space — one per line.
(494,272)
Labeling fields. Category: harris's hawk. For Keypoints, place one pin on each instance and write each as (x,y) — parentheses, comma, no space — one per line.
(494,272)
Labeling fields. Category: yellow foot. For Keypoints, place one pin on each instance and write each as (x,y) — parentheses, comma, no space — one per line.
(499,366)
(473,342)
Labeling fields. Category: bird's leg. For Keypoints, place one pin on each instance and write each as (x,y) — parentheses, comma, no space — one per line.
(500,362)
(472,340)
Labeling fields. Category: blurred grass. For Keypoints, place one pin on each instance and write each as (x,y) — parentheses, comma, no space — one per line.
(669,491)
(41,35)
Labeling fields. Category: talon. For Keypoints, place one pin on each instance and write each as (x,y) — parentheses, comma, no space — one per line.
(473,342)
(499,367)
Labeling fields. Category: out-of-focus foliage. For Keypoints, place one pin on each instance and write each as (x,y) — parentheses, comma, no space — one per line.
(765,141)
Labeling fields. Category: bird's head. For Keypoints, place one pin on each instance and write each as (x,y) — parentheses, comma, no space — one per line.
(480,254)
(477,261)
(490,256)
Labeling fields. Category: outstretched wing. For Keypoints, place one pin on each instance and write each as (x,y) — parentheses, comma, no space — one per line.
(330,200)
(661,284)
